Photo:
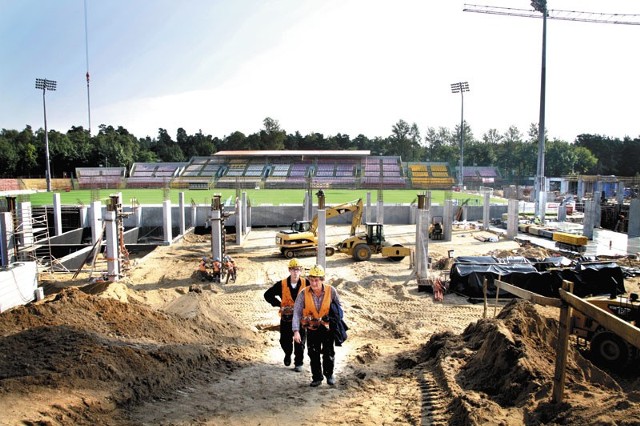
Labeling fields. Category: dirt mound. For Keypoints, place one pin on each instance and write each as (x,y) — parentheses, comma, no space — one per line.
(126,350)
(506,366)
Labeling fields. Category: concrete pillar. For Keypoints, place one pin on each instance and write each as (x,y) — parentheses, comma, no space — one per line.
(588,221)
(620,193)
(367,217)
(113,258)
(239,220)
(194,212)
(57,214)
(543,205)
(580,194)
(166,222)
(181,213)
(321,257)
(216,231)
(137,213)
(7,246)
(633,233)
(447,220)
(245,208)
(597,211)
(96,221)
(84,217)
(512,219)
(486,211)
(26,219)
(422,246)
(562,213)
(307,207)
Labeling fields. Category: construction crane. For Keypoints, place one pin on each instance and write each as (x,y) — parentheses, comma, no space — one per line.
(540,10)
(559,14)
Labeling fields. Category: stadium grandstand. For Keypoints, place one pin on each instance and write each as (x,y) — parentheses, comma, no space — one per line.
(277,169)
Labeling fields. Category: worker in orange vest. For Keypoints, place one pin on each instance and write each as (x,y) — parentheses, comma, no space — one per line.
(311,312)
(282,294)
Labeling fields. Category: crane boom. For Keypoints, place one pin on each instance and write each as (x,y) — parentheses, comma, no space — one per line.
(559,14)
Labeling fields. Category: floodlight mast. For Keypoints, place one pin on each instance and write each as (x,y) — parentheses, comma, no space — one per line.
(461,87)
(44,85)
(541,10)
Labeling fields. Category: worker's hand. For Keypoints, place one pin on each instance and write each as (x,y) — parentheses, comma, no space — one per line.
(296,336)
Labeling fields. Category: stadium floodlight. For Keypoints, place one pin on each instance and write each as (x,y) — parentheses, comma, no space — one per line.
(540,187)
(44,85)
(461,87)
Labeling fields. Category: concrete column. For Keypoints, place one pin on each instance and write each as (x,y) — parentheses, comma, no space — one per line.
(307,207)
(7,246)
(84,217)
(166,222)
(422,247)
(580,194)
(562,213)
(239,220)
(216,233)
(322,243)
(633,234)
(588,221)
(486,211)
(380,212)
(447,220)
(57,214)
(597,211)
(26,219)
(181,213)
(512,218)
(96,221)
(620,193)
(368,208)
(243,199)
(137,213)
(113,258)
(194,212)
(543,205)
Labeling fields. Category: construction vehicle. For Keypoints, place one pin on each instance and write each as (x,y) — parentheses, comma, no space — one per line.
(435,228)
(302,238)
(362,246)
(607,349)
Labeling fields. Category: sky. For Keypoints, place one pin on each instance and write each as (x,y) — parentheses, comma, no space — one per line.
(328,66)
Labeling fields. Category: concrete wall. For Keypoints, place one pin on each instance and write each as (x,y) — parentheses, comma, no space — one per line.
(283,216)
(18,284)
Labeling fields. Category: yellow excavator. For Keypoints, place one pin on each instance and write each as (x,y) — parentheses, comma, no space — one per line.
(302,238)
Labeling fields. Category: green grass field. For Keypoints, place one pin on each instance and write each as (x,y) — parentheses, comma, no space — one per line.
(256,196)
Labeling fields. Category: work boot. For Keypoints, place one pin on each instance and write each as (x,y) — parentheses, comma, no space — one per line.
(316,383)
(331,381)
(287,360)
(298,368)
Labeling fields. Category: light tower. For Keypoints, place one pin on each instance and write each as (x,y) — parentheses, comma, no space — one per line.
(461,87)
(44,84)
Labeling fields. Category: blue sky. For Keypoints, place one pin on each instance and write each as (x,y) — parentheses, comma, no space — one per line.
(328,66)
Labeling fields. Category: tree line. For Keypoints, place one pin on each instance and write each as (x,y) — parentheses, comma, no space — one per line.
(23,153)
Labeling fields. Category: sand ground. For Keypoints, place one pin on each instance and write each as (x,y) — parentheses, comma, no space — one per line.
(147,351)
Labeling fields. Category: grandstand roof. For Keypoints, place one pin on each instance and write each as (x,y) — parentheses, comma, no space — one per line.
(289,153)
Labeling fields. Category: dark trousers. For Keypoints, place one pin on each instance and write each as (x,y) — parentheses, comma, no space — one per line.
(320,342)
(289,346)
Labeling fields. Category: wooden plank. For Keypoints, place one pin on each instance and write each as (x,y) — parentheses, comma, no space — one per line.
(625,330)
(562,349)
(528,295)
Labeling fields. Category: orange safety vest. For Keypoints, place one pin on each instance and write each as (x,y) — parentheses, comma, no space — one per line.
(216,266)
(311,317)
(203,266)
(286,300)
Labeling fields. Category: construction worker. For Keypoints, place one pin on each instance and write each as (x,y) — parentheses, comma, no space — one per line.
(311,312)
(216,267)
(282,294)
(202,270)
(230,265)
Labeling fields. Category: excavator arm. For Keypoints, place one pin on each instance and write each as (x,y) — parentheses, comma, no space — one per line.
(354,207)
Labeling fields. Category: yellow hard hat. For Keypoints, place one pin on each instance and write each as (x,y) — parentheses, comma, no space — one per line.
(293,263)
(316,271)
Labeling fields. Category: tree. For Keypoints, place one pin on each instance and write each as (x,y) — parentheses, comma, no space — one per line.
(272,137)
